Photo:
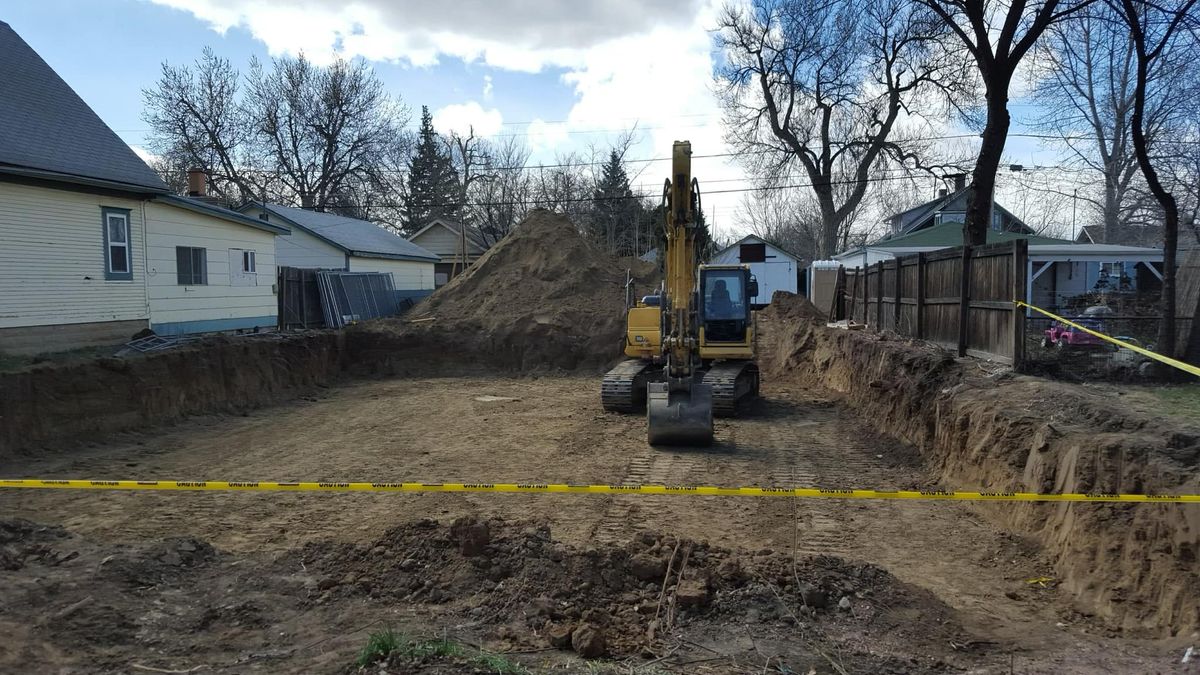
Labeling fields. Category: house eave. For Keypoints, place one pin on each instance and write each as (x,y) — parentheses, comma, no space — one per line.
(231,216)
(81,181)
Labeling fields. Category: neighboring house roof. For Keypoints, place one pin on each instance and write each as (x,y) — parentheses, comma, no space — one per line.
(207,209)
(473,235)
(48,132)
(950,234)
(1131,235)
(759,240)
(355,237)
(913,219)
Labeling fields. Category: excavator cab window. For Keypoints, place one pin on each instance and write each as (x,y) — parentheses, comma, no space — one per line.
(725,304)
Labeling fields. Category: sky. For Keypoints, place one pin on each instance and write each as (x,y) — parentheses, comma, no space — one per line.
(562,75)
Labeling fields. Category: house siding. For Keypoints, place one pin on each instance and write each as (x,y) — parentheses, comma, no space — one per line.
(301,249)
(220,304)
(780,272)
(446,244)
(411,278)
(52,259)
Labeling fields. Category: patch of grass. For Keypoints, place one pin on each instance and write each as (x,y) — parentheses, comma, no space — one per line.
(1182,400)
(380,645)
(385,644)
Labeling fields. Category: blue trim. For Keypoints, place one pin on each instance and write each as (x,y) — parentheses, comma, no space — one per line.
(414,294)
(214,325)
(109,275)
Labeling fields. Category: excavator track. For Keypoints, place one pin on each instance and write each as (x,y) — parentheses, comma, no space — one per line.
(623,388)
(733,383)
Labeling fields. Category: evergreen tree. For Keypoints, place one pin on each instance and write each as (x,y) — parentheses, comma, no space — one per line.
(616,214)
(433,187)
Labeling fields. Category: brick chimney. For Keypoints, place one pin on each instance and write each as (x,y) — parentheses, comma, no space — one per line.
(197,182)
(960,181)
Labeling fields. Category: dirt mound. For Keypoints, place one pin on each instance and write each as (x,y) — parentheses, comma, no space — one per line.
(621,599)
(543,290)
(1131,565)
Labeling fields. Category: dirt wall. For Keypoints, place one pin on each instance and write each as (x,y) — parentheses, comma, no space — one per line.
(1133,565)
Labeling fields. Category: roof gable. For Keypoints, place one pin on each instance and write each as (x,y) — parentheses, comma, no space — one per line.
(912,219)
(356,237)
(757,240)
(46,130)
(950,234)
(456,228)
(221,212)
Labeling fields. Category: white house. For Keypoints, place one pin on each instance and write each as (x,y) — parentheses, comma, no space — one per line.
(90,233)
(774,268)
(446,239)
(333,242)
(208,268)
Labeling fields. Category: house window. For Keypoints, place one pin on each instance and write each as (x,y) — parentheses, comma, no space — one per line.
(118,257)
(752,253)
(191,266)
(248,262)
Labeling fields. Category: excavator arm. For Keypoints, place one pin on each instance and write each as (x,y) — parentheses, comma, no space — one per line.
(680,408)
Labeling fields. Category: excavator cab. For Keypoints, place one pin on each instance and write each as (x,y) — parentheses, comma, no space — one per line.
(725,301)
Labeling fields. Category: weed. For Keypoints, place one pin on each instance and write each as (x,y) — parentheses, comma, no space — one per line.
(380,645)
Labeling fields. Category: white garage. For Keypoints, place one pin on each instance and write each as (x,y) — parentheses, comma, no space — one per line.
(775,268)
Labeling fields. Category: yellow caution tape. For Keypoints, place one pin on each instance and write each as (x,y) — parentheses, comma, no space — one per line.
(1185,367)
(562,488)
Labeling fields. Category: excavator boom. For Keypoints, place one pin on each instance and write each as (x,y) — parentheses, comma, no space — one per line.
(679,409)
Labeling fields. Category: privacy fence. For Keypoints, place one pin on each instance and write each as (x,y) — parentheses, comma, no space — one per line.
(959,298)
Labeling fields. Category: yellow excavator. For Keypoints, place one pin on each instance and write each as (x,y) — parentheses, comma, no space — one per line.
(690,347)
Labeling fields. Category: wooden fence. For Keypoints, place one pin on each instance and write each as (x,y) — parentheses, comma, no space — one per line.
(299,299)
(959,298)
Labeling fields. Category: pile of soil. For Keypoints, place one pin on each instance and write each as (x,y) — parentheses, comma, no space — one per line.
(543,291)
(76,603)
(1134,566)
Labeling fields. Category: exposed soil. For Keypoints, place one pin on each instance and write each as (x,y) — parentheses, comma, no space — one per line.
(1133,565)
(245,582)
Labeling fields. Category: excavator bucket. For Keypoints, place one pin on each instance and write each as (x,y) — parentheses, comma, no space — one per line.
(682,417)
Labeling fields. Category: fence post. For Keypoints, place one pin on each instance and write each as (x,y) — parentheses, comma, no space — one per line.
(1020,280)
(879,296)
(964,302)
(896,309)
(865,271)
(920,295)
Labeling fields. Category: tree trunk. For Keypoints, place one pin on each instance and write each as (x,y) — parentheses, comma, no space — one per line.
(991,150)
(829,221)
(1112,208)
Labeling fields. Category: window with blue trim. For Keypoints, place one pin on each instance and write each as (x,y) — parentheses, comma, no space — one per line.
(118,249)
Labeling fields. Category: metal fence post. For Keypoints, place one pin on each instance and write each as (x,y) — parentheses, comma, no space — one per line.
(1019,271)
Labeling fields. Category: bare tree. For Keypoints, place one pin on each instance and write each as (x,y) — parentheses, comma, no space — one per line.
(500,202)
(998,34)
(196,119)
(1157,30)
(822,86)
(1086,79)
(326,138)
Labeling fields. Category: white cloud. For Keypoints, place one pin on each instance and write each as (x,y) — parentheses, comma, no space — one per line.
(626,61)
(144,154)
(461,117)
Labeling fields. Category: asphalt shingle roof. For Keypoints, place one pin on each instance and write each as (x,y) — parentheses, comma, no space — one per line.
(354,236)
(45,126)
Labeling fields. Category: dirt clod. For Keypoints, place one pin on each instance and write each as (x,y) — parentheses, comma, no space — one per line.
(647,567)
(472,536)
(559,636)
(692,593)
(588,641)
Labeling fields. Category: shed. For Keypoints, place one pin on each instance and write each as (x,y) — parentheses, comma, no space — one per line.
(329,241)
(446,239)
(774,268)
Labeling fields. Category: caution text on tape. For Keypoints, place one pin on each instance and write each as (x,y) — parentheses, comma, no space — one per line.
(566,488)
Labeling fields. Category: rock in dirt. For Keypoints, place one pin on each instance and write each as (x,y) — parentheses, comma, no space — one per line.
(844,604)
(559,636)
(692,593)
(647,567)
(813,596)
(471,535)
(588,641)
